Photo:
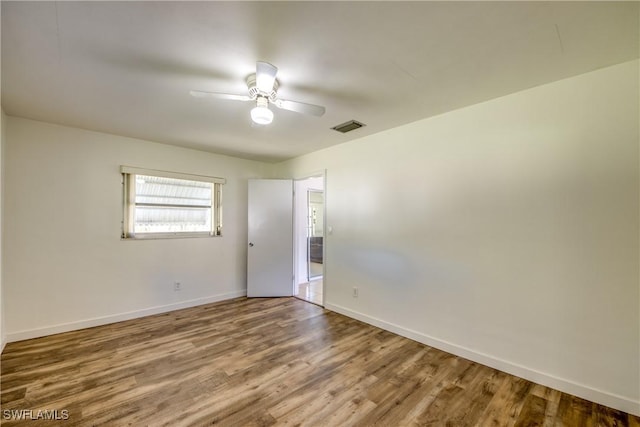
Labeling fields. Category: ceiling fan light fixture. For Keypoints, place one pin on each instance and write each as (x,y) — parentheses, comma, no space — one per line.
(261,114)
(262,88)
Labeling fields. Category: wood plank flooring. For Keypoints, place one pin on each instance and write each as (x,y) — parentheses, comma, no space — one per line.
(262,362)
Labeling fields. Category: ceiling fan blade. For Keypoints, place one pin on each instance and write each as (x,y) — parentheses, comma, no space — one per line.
(265,76)
(300,107)
(230,96)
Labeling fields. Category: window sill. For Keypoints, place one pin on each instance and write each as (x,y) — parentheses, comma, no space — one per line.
(158,236)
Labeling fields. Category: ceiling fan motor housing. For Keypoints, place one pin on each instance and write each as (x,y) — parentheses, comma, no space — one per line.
(254,92)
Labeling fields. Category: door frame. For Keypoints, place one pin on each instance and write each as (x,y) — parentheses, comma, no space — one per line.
(318,174)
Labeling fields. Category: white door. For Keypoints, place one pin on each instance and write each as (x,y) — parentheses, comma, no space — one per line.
(270,251)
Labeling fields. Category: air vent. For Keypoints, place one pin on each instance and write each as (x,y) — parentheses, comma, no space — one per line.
(348,126)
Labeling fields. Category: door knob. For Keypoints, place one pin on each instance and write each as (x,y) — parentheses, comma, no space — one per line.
(250,244)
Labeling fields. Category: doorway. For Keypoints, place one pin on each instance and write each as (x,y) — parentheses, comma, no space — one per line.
(309,251)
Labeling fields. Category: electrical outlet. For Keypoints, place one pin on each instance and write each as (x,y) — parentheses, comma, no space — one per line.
(177,286)
(355,292)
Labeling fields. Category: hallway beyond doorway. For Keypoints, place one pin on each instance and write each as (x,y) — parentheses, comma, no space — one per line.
(311,291)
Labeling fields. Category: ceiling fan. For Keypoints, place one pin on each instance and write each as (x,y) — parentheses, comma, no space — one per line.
(263,90)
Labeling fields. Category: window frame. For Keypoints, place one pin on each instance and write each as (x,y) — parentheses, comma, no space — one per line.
(129,204)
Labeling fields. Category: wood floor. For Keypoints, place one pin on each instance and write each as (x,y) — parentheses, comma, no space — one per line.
(261,362)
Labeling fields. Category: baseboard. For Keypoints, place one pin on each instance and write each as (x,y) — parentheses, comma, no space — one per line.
(611,400)
(105,320)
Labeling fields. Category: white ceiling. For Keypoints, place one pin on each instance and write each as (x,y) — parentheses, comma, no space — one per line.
(126,68)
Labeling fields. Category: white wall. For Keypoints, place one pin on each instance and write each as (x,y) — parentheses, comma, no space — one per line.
(65,265)
(508,233)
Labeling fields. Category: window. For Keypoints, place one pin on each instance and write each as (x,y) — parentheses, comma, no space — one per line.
(160,204)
